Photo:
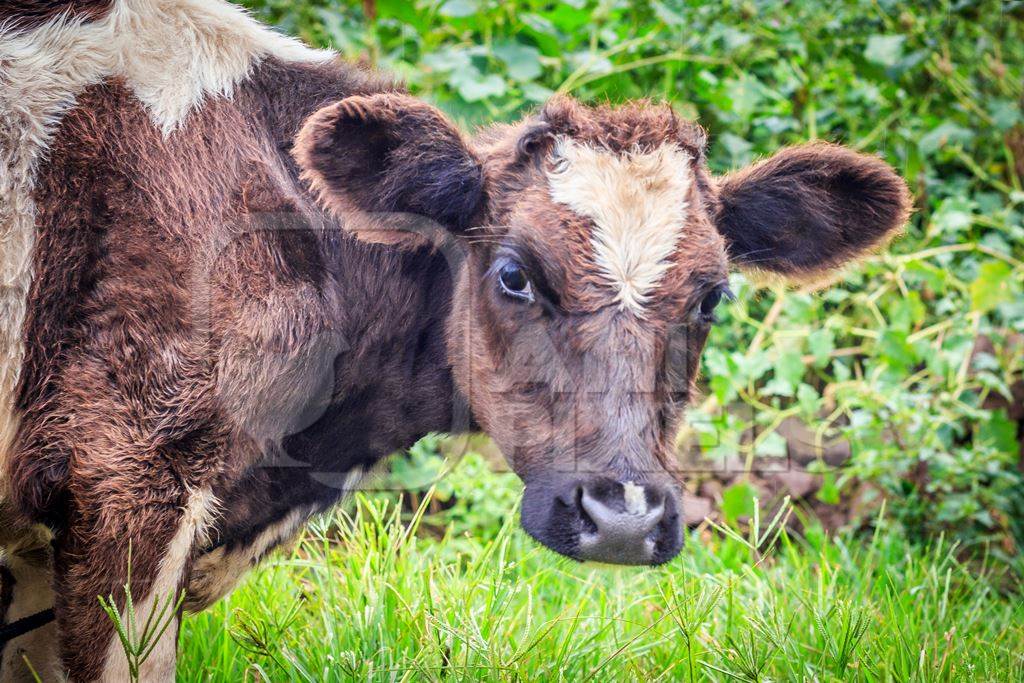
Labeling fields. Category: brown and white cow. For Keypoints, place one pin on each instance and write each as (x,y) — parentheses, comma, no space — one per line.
(237,272)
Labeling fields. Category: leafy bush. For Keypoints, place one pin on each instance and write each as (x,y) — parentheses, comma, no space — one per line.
(884,357)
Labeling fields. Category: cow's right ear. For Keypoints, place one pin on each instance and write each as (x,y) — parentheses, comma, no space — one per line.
(389,154)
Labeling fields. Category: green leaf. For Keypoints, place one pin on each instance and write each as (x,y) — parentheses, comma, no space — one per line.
(734,39)
(1000,432)
(947,133)
(777,387)
(829,491)
(884,50)
(738,501)
(954,215)
(932,276)
(790,368)
(447,60)
(746,94)
(894,348)
(544,32)
(907,312)
(1005,114)
(808,398)
(460,8)
(667,15)
(522,61)
(739,150)
(535,92)
(722,388)
(590,63)
(821,343)
(474,86)
(992,287)
(773,445)
(402,10)
(751,368)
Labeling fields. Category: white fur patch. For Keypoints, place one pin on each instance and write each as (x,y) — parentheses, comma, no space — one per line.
(637,202)
(192,527)
(171,53)
(217,572)
(176,53)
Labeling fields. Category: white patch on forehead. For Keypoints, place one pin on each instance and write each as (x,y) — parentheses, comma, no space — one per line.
(172,54)
(637,202)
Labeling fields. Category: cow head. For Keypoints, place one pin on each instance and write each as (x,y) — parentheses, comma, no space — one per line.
(598,248)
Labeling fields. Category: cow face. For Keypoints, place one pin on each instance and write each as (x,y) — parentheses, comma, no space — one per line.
(598,248)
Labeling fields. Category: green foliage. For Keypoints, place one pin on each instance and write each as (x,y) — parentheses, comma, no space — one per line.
(478,511)
(366,596)
(882,358)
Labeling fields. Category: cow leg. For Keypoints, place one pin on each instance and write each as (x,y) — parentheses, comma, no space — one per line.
(157,531)
(26,574)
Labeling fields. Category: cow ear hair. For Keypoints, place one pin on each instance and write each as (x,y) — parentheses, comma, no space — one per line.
(383,163)
(809,209)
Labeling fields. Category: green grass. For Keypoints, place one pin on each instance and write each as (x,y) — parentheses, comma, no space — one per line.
(363,596)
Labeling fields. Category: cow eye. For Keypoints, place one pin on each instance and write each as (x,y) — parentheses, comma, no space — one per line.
(514,283)
(706,309)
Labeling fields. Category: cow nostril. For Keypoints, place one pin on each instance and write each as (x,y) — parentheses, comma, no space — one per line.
(587,523)
(604,520)
(570,498)
(628,517)
(656,496)
(627,523)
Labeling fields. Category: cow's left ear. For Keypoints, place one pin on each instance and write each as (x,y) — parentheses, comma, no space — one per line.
(809,208)
(389,154)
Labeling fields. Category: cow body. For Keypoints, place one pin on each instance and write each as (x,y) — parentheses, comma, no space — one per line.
(239,272)
(157,403)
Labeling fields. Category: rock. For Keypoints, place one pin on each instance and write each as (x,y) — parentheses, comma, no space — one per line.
(711,489)
(695,509)
(797,483)
(730,469)
(801,447)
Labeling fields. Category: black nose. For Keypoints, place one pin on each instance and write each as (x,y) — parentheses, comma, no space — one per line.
(604,520)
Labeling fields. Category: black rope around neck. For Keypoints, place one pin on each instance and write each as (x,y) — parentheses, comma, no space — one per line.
(16,629)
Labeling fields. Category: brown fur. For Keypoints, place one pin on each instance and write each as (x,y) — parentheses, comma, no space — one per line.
(805,210)
(28,14)
(124,425)
(122,412)
(402,156)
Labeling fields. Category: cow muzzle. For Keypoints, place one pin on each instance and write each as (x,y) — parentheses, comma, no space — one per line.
(602,519)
